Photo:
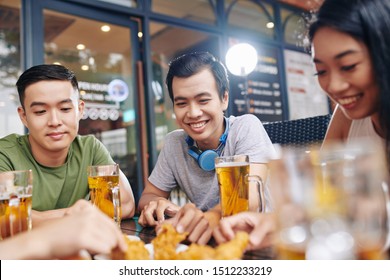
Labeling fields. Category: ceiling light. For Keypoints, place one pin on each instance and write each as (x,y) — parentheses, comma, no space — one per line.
(105,28)
(80,47)
(270,25)
(84,67)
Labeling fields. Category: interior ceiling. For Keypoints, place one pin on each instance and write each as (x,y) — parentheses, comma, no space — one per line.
(67,26)
(304,4)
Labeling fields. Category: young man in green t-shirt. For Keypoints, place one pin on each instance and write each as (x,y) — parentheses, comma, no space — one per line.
(51,110)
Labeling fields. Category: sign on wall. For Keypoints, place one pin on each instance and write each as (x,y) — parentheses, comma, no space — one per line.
(305,97)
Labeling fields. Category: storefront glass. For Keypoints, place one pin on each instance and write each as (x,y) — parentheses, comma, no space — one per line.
(293,27)
(167,43)
(126,3)
(105,72)
(195,10)
(9,67)
(252,16)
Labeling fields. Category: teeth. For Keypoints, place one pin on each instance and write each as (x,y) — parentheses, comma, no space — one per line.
(348,100)
(198,125)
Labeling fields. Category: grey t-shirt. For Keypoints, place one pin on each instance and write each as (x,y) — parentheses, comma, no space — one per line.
(175,167)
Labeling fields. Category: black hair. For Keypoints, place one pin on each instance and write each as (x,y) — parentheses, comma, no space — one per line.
(192,63)
(368,21)
(44,72)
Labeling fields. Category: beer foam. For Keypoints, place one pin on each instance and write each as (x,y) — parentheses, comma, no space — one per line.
(231,164)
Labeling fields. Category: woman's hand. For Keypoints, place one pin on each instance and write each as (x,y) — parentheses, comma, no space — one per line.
(260,227)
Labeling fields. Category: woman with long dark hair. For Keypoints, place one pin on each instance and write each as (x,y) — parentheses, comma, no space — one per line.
(350,44)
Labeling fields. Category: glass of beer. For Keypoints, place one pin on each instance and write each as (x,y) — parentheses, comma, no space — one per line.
(292,181)
(15,202)
(234,180)
(330,203)
(103,182)
(358,170)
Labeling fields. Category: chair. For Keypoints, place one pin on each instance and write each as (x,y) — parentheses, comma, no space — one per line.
(300,132)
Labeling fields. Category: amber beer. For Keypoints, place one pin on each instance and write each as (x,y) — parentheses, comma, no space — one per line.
(15,202)
(103,182)
(15,215)
(290,252)
(233,186)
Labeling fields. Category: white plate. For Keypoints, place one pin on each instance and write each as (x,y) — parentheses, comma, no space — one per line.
(133,237)
(179,248)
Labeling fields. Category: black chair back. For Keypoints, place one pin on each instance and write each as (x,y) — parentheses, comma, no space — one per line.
(300,132)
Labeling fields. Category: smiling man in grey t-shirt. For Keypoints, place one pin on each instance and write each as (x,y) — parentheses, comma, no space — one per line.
(199,88)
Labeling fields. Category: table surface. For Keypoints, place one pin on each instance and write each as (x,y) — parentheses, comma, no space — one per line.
(147,234)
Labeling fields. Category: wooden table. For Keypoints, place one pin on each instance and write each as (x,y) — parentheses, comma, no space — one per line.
(146,234)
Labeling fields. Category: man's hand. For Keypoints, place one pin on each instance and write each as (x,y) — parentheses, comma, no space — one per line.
(198,224)
(154,212)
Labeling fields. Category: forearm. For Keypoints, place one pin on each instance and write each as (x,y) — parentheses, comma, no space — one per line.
(127,204)
(42,216)
(127,197)
(24,246)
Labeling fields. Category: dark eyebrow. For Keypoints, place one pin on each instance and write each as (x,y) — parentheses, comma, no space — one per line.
(179,98)
(338,56)
(43,104)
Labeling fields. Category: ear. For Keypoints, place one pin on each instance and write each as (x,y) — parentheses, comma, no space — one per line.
(225,100)
(22,116)
(81,108)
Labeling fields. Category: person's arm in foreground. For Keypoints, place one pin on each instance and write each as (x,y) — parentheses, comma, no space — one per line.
(260,227)
(39,217)
(83,227)
(154,205)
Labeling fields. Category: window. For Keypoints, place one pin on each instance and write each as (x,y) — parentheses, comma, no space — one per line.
(195,10)
(9,67)
(248,15)
(167,42)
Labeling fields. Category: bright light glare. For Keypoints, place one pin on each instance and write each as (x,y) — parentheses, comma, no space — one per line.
(80,47)
(105,28)
(241,59)
(270,25)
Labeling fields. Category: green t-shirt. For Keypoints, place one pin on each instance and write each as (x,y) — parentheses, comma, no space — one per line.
(55,187)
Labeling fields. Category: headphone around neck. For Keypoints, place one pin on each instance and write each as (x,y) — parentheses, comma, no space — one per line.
(205,159)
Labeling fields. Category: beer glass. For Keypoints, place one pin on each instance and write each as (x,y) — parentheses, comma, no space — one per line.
(103,182)
(234,180)
(330,203)
(358,171)
(292,180)
(15,202)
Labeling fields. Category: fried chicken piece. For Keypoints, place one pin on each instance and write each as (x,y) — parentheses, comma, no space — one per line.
(197,252)
(135,251)
(164,245)
(233,249)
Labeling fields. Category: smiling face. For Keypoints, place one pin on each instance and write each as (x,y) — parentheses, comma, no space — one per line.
(52,111)
(199,109)
(345,72)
